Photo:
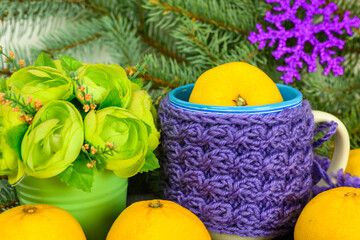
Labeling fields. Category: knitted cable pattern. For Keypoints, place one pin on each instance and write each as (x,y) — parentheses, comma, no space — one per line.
(248,175)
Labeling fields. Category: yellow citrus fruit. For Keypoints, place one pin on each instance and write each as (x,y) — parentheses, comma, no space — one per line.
(39,222)
(353,165)
(331,215)
(231,83)
(157,220)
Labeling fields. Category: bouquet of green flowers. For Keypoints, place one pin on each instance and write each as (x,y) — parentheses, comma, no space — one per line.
(68,119)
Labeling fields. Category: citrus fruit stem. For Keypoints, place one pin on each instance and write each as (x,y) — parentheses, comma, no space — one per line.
(239,101)
(156,204)
(30,210)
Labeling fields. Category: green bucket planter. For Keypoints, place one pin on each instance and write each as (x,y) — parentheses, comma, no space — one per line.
(95,211)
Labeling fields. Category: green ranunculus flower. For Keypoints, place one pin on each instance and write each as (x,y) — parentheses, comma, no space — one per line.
(128,134)
(58,66)
(42,83)
(10,162)
(53,140)
(104,80)
(141,105)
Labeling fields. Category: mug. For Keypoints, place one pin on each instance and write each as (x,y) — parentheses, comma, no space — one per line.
(244,171)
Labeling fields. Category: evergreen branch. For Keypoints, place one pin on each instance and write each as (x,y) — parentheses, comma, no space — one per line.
(5,71)
(77,40)
(351,49)
(349,89)
(160,47)
(158,81)
(357,30)
(30,10)
(202,46)
(140,69)
(122,38)
(250,56)
(194,17)
(169,73)
(51,52)
(207,47)
(153,43)
(8,198)
(96,8)
(355,130)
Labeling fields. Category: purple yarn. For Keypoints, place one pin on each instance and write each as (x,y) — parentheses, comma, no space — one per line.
(332,129)
(248,175)
(305,32)
(341,179)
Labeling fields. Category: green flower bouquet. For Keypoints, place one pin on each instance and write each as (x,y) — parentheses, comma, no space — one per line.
(66,119)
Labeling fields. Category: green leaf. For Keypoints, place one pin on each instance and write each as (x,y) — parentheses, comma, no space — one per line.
(44,60)
(3,85)
(78,175)
(100,163)
(112,99)
(79,107)
(70,64)
(138,82)
(151,162)
(14,136)
(38,73)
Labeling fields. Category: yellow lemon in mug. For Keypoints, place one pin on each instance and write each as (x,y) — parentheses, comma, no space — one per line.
(235,84)
(353,164)
(331,215)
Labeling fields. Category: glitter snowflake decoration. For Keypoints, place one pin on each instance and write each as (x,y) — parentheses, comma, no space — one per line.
(305,33)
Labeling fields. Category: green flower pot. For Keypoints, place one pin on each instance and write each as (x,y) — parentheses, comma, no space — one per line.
(95,211)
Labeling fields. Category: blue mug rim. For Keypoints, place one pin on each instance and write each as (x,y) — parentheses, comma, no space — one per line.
(294,102)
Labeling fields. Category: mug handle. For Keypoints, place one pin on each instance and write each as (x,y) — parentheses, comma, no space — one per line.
(342,144)
(339,160)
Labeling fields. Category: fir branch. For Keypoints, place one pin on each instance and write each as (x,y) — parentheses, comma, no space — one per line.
(169,8)
(341,90)
(156,45)
(23,8)
(140,69)
(122,39)
(357,30)
(96,8)
(351,49)
(158,81)
(169,73)
(8,198)
(160,47)
(51,52)
(250,56)
(6,72)
(77,39)
(203,46)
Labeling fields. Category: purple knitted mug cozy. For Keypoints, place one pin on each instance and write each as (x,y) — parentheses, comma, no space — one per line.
(248,175)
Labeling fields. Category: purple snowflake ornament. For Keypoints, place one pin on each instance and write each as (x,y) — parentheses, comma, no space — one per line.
(304,31)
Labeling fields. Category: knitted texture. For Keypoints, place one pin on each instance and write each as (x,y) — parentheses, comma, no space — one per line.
(248,175)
